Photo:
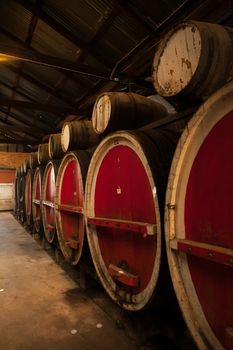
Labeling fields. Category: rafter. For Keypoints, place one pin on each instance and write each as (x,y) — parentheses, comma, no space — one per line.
(17,128)
(35,106)
(13,135)
(16,141)
(50,61)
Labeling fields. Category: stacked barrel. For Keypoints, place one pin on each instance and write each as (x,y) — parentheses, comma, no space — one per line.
(151,198)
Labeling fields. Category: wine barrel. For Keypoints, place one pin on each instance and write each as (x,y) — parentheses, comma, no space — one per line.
(36,199)
(124,205)
(199,224)
(25,165)
(18,172)
(55,149)
(43,153)
(28,196)
(78,135)
(193,60)
(69,204)
(22,169)
(21,194)
(17,195)
(48,200)
(33,160)
(124,111)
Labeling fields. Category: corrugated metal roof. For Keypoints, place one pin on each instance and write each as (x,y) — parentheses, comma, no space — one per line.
(29,89)
(81,17)
(15,18)
(124,33)
(6,75)
(49,76)
(71,90)
(47,41)
(5,91)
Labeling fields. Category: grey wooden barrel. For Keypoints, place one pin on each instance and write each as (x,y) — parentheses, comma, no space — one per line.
(124,111)
(55,149)
(193,60)
(43,153)
(78,135)
(33,160)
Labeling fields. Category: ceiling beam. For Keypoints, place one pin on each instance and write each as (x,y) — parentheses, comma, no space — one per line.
(18,128)
(51,61)
(16,141)
(12,135)
(35,106)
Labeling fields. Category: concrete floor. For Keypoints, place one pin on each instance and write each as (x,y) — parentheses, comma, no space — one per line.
(40,305)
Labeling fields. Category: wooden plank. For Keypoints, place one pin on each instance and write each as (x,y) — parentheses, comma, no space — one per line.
(207,251)
(136,226)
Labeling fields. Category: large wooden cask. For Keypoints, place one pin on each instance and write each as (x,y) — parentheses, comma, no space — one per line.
(21,196)
(69,200)
(199,222)
(48,200)
(36,199)
(28,196)
(124,205)
(193,60)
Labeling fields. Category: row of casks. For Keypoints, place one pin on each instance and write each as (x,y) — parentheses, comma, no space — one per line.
(124,110)
(134,201)
(192,62)
(128,217)
(124,209)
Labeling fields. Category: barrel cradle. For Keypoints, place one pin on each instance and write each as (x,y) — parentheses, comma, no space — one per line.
(124,111)
(69,199)
(48,200)
(193,60)
(36,199)
(124,201)
(198,222)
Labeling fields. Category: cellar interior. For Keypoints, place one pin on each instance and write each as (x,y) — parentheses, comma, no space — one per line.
(116,165)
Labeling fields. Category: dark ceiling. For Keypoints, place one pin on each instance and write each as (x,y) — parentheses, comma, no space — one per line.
(62,53)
